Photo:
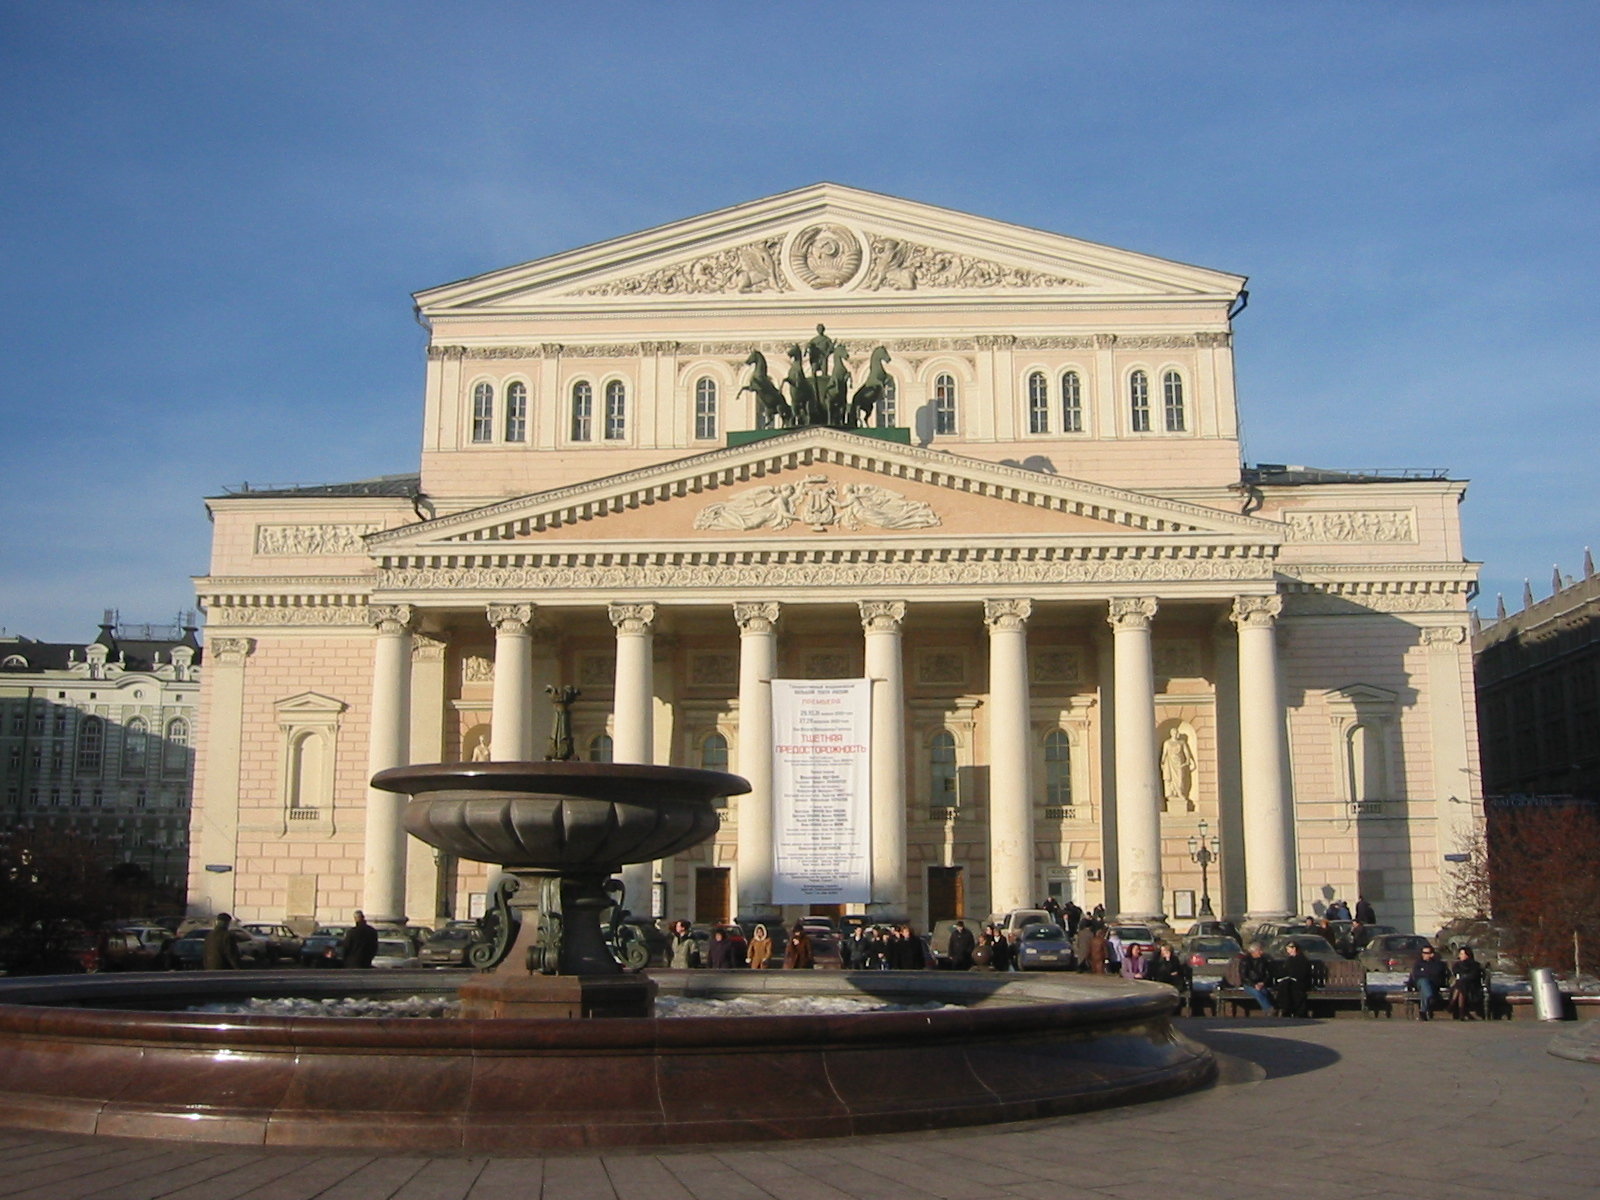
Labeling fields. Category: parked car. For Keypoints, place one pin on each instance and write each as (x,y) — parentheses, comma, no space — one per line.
(1042,946)
(1491,943)
(188,952)
(1135,935)
(322,937)
(1313,947)
(139,948)
(938,939)
(448,947)
(1392,952)
(1020,918)
(394,953)
(1209,955)
(1214,929)
(282,942)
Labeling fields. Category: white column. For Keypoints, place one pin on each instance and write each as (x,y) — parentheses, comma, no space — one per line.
(1268,841)
(880,622)
(1011,883)
(214,825)
(511,723)
(1138,777)
(383,882)
(758,659)
(632,711)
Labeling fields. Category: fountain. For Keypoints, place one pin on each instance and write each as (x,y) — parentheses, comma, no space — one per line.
(556,1047)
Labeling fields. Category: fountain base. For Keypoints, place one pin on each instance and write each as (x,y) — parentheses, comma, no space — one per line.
(497,994)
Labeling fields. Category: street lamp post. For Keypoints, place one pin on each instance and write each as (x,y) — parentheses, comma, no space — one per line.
(1203,850)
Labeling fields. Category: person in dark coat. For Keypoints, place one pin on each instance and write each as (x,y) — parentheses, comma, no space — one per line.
(1100,954)
(1364,912)
(720,952)
(797,954)
(962,943)
(1466,985)
(1255,976)
(220,952)
(1429,976)
(1295,976)
(905,951)
(1072,917)
(360,943)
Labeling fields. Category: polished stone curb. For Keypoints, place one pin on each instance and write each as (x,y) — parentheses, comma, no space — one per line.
(1017,1048)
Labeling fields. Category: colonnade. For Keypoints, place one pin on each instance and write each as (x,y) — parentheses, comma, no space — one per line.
(1268,839)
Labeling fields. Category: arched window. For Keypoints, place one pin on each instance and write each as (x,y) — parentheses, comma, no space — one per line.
(175,753)
(91,742)
(600,748)
(1057,768)
(705,408)
(1365,764)
(582,411)
(308,771)
(888,405)
(1038,403)
(944,404)
(1172,394)
(1139,401)
(483,413)
(1071,403)
(616,411)
(135,737)
(714,753)
(516,412)
(942,791)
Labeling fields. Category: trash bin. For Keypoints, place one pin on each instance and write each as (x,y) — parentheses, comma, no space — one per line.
(1547,1005)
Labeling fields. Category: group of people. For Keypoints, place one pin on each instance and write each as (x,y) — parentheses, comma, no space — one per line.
(1457,985)
(728,949)
(1282,985)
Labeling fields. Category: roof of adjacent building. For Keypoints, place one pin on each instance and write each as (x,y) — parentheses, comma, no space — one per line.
(137,652)
(381,485)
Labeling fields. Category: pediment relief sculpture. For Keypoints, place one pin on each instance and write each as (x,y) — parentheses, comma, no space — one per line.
(905,266)
(820,503)
(752,267)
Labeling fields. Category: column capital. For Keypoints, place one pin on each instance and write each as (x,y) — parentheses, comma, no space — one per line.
(1131,612)
(510,618)
(882,616)
(1443,638)
(229,651)
(757,617)
(1256,612)
(1007,614)
(632,618)
(391,618)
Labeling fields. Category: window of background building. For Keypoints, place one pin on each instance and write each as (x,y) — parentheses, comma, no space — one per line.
(1139,401)
(616,411)
(483,413)
(1038,403)
(944,404)
(600,748)
(91,742)
(1071,403)
(134,738)
(1172,393)
(582,411)
(705,408)
(714,757)
(516,411)
(175,753)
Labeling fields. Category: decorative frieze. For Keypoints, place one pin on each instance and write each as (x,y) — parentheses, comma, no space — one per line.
(1055,664)
(752,267)
(312,539)
(475,668)
(827,665)
(597,671)
(904,266)
(713,670)
(941,668)
(299,615)
(545,350)
(229,651)
(1176,659)
(1443,638)
(1358,526)
(818,502)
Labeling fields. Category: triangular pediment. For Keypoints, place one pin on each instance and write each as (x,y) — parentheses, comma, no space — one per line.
(828,484)
(827,242)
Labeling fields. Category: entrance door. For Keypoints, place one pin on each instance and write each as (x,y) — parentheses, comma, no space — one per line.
(711,893)
(947,897)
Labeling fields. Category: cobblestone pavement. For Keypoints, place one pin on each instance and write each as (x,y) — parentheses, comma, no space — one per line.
(1320,1110)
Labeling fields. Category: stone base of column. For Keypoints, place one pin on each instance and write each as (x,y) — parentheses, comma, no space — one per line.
(886,914)
(1252,919)
(761,914)
(1156,921)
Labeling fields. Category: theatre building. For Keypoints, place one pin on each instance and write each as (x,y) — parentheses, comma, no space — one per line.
(833,435)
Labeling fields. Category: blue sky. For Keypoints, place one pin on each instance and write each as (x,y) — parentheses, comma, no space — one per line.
(214,216)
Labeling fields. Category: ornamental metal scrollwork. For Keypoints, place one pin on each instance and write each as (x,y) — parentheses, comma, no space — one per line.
(499,924)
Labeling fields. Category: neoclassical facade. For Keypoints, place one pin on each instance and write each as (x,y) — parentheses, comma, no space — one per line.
(1087,627)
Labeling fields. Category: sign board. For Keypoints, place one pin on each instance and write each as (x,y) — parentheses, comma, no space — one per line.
(821,791)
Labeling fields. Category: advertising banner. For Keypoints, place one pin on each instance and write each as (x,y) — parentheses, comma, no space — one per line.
(821,791)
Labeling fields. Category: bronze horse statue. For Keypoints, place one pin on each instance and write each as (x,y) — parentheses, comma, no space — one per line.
(773,412)
(873,388)
(802,396)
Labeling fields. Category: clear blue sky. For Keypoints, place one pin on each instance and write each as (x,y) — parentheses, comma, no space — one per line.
(214,216)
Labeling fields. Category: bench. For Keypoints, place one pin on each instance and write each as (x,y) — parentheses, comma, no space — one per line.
(1338,983)
(1411,1001)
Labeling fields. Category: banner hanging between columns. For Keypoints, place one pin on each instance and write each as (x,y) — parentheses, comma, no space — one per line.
(821,791)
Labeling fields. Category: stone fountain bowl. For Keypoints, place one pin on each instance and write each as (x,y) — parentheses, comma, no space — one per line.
(560,816)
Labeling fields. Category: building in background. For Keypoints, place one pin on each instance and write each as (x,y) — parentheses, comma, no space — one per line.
(1087,627)
(98,739)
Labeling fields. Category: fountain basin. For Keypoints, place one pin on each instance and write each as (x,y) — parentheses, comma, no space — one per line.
(1020,1047)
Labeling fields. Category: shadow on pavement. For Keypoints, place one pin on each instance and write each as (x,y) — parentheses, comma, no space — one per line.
(1247,1052)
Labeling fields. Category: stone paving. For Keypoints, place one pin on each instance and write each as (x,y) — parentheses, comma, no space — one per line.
(1305,1110)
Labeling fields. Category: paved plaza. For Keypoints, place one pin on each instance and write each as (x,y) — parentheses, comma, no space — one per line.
(1306,1109)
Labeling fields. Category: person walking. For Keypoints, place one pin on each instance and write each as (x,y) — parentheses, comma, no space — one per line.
(1072,915)
(683,952)
(961,946)
(798,955)
(1364,912)
(760,949)
(1099,955)
(1429,976)
(360,943)
(220,952)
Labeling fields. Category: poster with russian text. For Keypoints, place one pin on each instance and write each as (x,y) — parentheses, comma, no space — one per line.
(822,791)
